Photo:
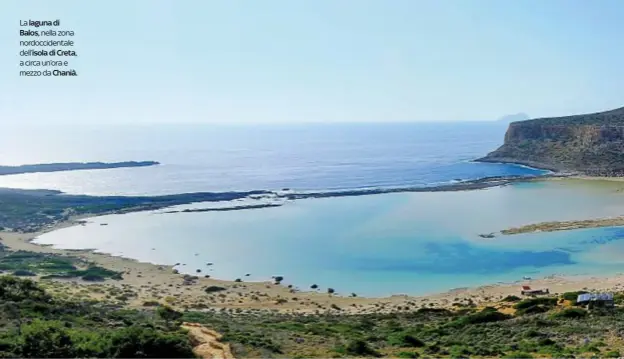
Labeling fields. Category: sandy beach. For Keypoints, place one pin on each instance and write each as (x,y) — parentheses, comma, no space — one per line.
(143,283)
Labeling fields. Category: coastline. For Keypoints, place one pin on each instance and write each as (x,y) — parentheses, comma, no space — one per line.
(552,226)
(60,206)
(155,282)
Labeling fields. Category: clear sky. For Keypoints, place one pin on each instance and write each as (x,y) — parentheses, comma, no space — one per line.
(319,61)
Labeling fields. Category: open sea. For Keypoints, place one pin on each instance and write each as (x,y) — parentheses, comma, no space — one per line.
(412,243)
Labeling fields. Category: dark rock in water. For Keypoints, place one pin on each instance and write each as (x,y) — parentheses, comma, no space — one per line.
(207,276)
(314,286)
(177,264)
(198,270)
(209,264)
(196,254)
(285,189)
(487,235)
(103,224)
(247,275)
(238,280)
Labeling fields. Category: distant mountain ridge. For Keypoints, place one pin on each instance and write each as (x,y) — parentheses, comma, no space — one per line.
(591,144)
(514,117)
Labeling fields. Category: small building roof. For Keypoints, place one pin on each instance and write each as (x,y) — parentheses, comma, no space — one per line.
(592,297)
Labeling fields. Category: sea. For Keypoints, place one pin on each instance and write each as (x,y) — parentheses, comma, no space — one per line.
(374,245)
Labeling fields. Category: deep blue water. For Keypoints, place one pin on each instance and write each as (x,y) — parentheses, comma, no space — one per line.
(220,158)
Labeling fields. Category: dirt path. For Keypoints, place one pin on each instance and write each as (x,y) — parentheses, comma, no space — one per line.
(206,342)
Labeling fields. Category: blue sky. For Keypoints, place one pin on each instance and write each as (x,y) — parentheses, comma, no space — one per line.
(153,61)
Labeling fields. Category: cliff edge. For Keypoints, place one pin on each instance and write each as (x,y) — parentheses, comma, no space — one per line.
(591,144)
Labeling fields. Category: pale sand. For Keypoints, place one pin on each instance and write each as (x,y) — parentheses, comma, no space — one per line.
(151,282)
(590,178)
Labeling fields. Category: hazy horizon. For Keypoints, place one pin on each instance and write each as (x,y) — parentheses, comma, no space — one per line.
(276,62)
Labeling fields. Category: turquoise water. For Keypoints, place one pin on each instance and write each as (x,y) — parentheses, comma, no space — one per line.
(413,243)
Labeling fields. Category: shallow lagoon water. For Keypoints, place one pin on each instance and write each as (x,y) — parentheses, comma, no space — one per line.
(412,243)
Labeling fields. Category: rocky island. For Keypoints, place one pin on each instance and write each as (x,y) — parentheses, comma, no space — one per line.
(589,144)
(71,166)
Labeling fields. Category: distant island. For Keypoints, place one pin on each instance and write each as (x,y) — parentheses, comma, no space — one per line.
(514,118)
(589,144)
(71,166)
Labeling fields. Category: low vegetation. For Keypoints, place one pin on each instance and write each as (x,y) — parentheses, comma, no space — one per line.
(22,263)
(36,323)
(538,327)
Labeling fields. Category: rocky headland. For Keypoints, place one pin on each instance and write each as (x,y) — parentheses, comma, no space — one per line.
(589,144)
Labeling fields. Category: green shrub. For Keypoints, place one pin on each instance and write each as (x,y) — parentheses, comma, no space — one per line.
(527,303)
(484,316)
(45,339)
(546,342)
(408,355)
(93,278)
(458,351)
(136,342)
(360,348)
(151,303)
(612,354)
(405,340)
(511,298)
(572,296)
(213,288)
(16,290)
(518,355)
(535,305)
(23,273)
(571,313)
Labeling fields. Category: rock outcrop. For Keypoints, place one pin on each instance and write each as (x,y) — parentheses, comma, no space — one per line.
(207,343)
(591,144)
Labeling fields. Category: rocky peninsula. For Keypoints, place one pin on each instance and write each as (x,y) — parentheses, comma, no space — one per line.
(589,144)
(566,225)
(71,166)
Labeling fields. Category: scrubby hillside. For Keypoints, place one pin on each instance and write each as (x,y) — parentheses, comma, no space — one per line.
(591,144)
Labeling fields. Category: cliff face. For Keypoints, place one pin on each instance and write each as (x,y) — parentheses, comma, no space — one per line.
(591,144)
